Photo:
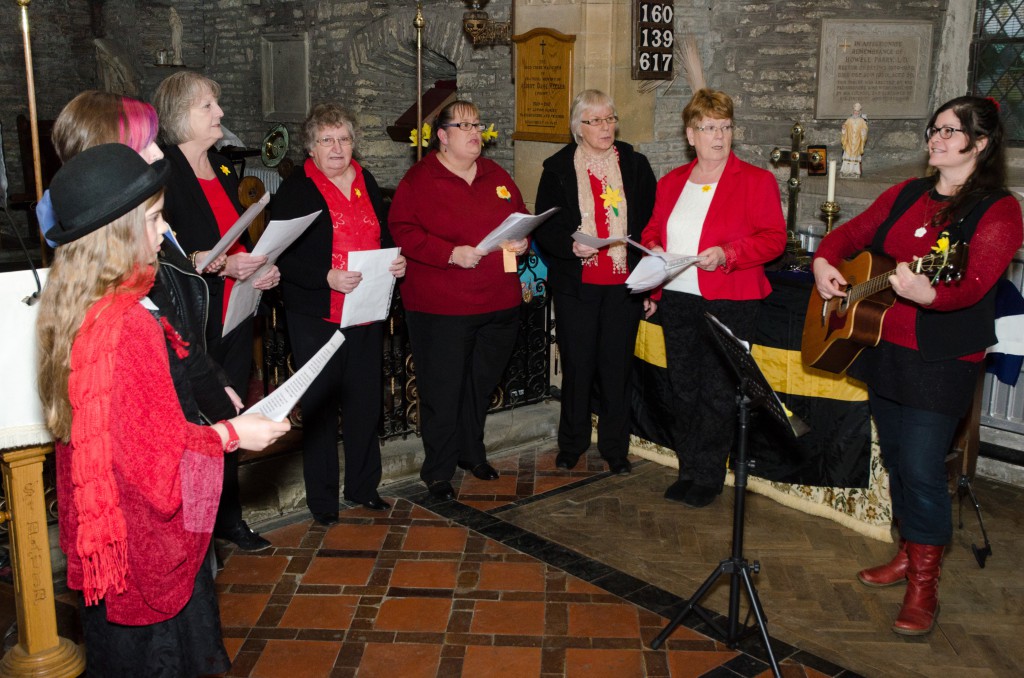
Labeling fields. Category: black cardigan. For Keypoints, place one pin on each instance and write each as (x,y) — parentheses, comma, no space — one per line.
(558,189)
(191,218)
(305,264)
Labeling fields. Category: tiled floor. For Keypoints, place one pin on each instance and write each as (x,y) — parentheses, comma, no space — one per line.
(450,589)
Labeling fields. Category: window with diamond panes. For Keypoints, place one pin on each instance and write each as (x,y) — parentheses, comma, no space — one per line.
(997,68)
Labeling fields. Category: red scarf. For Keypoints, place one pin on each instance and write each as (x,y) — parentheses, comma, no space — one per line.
(355,223)
(102,543)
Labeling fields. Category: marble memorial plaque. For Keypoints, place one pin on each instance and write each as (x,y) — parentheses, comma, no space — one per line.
(883,65)
(544,88)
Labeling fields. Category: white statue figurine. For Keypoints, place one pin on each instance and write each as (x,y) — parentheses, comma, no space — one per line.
(855,135)
(176,38)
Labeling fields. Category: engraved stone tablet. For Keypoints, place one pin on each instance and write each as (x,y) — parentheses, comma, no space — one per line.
(543,85)
(883,65)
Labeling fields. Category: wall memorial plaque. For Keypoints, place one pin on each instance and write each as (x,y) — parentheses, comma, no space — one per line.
(543,85)
(883,65)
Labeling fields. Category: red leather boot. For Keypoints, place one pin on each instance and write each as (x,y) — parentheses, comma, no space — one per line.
(921,602)
(893,572)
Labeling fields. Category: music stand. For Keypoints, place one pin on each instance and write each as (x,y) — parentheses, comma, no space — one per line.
(753,391)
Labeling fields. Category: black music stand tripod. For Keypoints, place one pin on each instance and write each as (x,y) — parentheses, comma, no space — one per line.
(753,391)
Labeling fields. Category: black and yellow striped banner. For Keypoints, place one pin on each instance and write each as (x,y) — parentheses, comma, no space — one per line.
(836,451)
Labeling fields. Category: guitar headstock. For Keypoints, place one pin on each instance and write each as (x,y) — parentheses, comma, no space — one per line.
(945,263)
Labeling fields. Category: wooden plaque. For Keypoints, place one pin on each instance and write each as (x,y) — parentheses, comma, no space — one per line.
(544,91)
(653,39)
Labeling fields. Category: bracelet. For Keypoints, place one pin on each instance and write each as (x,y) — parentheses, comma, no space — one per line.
(192,259)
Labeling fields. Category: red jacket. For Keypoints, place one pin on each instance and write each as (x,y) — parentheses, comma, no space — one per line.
(435,211)
(745,219)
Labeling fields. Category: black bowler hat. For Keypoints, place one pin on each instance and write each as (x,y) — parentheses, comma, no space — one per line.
(99,185)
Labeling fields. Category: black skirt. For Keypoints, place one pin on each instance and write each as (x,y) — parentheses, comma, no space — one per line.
(902,375)
(188,644)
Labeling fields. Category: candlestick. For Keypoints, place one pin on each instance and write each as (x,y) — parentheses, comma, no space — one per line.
(830,208)
(831,181)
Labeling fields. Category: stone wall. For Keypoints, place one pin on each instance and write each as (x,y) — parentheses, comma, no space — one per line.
(765,55)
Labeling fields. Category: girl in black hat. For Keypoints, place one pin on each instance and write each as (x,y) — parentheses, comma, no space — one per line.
(139,484)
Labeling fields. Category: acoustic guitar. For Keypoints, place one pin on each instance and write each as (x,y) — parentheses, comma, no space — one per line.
(837,330)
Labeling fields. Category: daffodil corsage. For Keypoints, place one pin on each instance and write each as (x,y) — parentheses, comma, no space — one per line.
(503,193)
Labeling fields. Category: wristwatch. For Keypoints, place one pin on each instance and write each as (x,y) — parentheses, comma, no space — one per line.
(233,442)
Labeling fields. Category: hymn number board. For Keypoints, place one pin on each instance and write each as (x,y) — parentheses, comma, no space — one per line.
(653,39)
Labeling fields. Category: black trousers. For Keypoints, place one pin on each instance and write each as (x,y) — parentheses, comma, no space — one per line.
(596,339)
(352,381)
(703,385)
(459,362)
(234,354)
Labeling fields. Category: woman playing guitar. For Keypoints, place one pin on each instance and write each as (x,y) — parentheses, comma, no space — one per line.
(922,373)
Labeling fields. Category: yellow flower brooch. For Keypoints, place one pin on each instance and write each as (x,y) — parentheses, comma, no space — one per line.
(503,193)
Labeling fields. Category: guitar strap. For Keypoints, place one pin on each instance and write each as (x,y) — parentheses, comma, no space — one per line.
(945,335)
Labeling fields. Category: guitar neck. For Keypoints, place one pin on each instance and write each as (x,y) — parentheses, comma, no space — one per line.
(881,282)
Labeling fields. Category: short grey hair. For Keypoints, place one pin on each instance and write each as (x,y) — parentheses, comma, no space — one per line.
(327,115)
(173,99)
(584,101)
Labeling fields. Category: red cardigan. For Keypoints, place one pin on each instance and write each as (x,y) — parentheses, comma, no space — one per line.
(745,219)
(435,211)
(168,475)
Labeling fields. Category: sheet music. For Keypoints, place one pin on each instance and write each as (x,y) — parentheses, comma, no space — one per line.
(657,269)
(370,301)
(595,242)
(275,240)
(280,403)
(515,227)
(235,232)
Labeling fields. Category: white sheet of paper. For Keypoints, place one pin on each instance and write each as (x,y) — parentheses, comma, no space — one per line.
(21,416)
(370,301)
(275,240)
(595,242)
(234,233)
(672,261)
(657,269)
(515,227)
(280,403)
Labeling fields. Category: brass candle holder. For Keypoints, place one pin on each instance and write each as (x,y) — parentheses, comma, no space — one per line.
(830,208)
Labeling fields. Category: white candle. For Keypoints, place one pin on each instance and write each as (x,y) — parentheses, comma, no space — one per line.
(831,181)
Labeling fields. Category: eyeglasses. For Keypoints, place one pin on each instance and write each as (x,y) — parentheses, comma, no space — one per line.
(711,129)
(597,122)
(945,132)
(467,126)
(327,142)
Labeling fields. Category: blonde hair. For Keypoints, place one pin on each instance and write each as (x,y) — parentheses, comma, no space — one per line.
(83,271)
(173,99)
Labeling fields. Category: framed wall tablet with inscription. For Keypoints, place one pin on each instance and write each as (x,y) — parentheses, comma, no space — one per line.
(883,65)
(544,88)
(653,39)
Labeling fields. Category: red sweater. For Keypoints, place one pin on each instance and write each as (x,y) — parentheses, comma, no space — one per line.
(744,219)
(168,475)
(993,245)
(435,211)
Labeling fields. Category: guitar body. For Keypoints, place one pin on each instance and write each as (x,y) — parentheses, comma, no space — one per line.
(837,330)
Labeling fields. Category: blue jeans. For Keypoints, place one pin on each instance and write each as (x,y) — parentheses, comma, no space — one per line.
(914,446)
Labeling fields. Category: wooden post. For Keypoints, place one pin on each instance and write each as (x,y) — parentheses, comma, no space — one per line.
(40,651)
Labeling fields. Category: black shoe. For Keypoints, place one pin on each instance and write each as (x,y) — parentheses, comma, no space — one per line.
(566,460)
(242,536)
(376,504)
(620,467)
(483,471)
(677,490)
(441,489)
(326,518)
(699,496)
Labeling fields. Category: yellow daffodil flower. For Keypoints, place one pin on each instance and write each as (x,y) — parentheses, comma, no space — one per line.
(611,199)
(423,139)
(942,244)
(489,134)
(225,170)
(503,193)
(359,194)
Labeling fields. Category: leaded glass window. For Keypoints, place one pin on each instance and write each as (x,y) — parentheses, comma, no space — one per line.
(997,63)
